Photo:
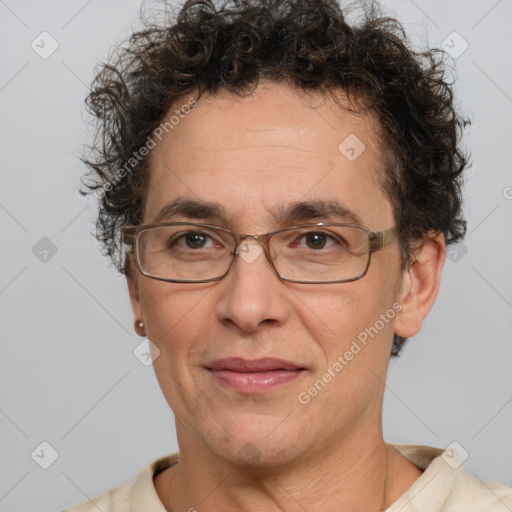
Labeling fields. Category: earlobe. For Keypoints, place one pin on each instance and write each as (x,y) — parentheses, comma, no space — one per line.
(420,284)
(133,291)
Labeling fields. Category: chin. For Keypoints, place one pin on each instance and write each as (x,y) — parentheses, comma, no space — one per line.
(259,455)
(257,442)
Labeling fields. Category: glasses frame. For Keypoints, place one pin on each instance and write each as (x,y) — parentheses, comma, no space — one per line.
(377,241)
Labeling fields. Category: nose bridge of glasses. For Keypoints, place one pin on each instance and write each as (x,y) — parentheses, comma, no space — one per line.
(250,247)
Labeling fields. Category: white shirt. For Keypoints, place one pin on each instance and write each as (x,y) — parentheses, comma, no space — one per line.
(444,486)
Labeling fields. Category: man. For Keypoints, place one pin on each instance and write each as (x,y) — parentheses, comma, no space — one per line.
(286,186)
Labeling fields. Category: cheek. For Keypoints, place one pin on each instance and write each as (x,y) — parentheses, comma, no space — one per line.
(176,320)
(174,315)
(360,312)
(337,311)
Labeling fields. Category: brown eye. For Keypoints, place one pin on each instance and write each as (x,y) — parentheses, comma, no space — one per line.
(190,240)
(195,240)
(316,240)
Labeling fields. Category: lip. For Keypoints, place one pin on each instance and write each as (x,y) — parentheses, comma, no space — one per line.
(239,364)
(253,375)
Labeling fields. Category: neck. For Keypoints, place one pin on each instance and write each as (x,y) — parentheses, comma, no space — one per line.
(362,474)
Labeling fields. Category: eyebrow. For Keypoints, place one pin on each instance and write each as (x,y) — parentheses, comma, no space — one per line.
(301,211)
(304,211)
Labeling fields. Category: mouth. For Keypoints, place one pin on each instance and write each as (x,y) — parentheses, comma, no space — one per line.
(253,376)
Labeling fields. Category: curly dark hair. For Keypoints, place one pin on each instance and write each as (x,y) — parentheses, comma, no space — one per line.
(309,45)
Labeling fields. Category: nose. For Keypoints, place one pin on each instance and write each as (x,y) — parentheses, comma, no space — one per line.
(252,293)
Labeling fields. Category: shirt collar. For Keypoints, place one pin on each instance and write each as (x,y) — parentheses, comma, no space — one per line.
(441,469)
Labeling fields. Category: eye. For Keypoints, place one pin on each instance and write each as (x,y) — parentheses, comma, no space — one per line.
(191,240)
(317,240)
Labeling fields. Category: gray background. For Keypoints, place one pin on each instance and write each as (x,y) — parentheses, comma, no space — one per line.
(68,373)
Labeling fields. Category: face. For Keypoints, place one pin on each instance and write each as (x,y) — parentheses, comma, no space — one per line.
(253,156)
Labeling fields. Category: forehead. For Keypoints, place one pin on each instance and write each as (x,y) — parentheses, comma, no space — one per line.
(262,152)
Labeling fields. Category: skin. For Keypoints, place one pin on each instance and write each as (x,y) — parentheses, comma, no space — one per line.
(268,451)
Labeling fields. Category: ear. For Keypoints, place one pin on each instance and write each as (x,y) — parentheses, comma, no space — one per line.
(133,291)
(420,284)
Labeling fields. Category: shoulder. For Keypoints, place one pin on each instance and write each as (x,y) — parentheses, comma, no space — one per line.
(446,486)
(116,499)
(140,492)
(477,494)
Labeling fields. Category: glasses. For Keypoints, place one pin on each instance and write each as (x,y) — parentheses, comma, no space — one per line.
(186,252)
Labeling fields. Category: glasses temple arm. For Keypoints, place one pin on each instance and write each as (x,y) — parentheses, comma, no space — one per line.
(382,239)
